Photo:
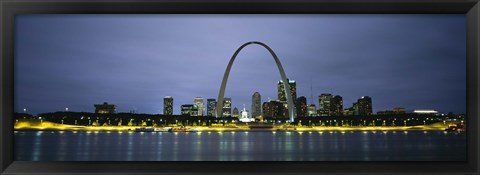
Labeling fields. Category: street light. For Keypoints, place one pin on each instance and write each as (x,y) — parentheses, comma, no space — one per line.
(66,109)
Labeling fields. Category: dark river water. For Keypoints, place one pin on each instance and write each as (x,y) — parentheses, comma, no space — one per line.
(240,146)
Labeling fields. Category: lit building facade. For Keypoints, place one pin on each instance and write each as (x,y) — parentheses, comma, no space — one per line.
(189,109)
(425,111)
(211,104)
(198,101)
(324,101)
(256,105)
(105,108)
(168,105)
(274,109)
(227,107)
(364,106)
(301,106)
(281,90)
(244,116)
(336,105)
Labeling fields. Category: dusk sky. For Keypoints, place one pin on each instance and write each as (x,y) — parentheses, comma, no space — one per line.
(134,61)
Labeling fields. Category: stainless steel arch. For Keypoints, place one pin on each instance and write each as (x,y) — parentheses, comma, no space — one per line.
(291,107)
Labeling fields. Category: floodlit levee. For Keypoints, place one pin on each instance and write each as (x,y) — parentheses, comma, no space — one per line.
(291,107)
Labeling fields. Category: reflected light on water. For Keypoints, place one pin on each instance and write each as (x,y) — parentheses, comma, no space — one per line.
(283,146)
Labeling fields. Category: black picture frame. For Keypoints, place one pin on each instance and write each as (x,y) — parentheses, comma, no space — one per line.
(9,8)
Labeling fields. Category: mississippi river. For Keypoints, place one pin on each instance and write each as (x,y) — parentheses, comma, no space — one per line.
(240,146)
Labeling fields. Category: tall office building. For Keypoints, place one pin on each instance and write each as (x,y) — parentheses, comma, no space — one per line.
(168,105)
(189,109)
(227,107)
(274,109)
(235,112)
(211,104)
(283,98)
(198,101)
(312,110)
(365,106)
(324,107)
(281,90)
(301,106)
(256,105)
(336,106)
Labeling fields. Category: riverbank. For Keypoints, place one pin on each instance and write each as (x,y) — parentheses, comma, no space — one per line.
(48,126)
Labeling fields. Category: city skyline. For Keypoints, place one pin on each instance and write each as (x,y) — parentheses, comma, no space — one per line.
(72,61)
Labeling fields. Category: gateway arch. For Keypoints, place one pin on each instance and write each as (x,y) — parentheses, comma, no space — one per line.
(291,107)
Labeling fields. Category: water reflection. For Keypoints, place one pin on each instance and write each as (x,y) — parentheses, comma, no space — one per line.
(240,146)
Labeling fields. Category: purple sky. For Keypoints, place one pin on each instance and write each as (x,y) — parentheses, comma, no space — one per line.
(133,61)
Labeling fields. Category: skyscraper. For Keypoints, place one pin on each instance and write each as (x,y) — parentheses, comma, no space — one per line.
(301,106)
(227,107)
(256,105)
(365,106)
(168,105)
(211,103)
(324,101)
(198,101)
(283,98)
(281,90)
(274,109)
(336,106)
